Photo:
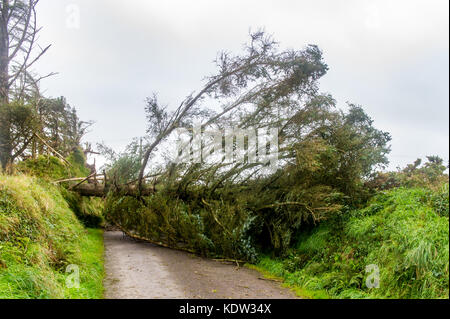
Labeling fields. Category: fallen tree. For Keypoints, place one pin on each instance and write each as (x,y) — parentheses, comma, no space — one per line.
(97,185)
(236,208)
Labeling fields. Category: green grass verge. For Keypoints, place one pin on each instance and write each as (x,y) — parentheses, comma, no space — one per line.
(91,267)
(40,237)
(404,232)
(273,270)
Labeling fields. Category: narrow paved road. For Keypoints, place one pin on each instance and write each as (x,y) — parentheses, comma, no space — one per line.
(137,270)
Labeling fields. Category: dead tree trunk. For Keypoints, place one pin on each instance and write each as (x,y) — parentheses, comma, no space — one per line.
(5,135)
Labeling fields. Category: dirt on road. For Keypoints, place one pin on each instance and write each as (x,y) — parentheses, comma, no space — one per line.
(138,270)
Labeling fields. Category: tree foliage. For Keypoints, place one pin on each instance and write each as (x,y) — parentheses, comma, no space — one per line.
(43,126)
(18,53)
(430,175)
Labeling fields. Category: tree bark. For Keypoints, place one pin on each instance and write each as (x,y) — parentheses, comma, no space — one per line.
(92,190)
(5,133)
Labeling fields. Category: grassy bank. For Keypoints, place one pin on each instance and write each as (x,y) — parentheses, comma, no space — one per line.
(49,168)
(40,237)
(404,232)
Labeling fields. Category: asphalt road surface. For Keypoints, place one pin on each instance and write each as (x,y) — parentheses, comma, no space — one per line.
(138,270)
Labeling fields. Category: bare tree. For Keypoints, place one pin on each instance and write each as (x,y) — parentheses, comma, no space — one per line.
(18,53)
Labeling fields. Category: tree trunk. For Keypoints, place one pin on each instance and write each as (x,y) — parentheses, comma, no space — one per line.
(92,190)
(5,129)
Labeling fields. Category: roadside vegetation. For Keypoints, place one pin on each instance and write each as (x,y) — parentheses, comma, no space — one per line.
(44,227)
(404,232)
(40,236)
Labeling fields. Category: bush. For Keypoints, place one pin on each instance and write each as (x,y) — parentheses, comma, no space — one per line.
(431,175)
(405,232)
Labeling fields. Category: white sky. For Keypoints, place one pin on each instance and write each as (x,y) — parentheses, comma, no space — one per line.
(391,57)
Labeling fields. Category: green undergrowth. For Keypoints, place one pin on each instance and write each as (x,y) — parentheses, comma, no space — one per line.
(88,210)
(268,268)
(404,232)
(212,229)
(40,236)
(53,168)
(49,168)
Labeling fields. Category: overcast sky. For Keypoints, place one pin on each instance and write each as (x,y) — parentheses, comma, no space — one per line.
(392,57)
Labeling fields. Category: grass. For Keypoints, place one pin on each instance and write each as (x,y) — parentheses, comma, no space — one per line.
(53,168)
(40,237)
(272,270)
(404,232)
(91,267)
(49,168)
